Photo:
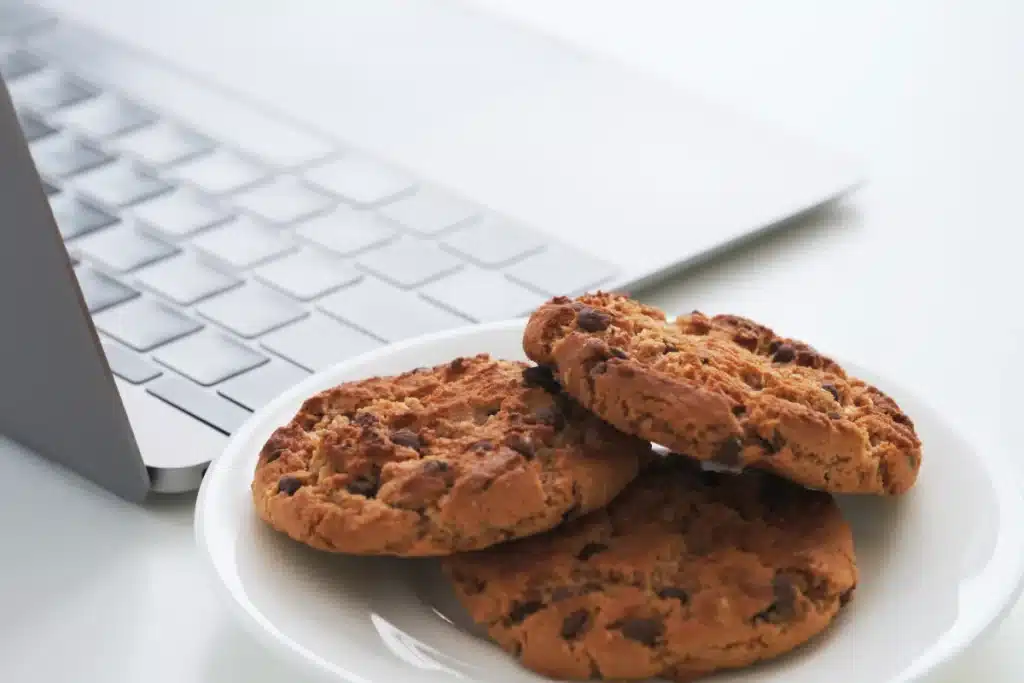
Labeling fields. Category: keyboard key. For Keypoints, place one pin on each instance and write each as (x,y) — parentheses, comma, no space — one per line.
(120,184)
(75,218)
(15,64)
(127,364)
(184,280)
(317,342)
(387,313)
(104,117)
(346,232)
(143,324)
(100,291)
(215,411)
(242,242)
(33,127)
(179,213)
(47,91)
(260,386)
(219,172)
(122,248)
(307,274)
(560,271)
(482,295)
(163,144)
(408,262)
(251,310)
(208,357)
(361,181)
(492,242)
(428,212)
(62,156)
(282,201)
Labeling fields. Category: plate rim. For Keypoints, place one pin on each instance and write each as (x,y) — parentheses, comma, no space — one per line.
(997,465)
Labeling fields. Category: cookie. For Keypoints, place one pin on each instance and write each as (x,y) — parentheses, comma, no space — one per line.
(685,573)
(728,390)
(439,460)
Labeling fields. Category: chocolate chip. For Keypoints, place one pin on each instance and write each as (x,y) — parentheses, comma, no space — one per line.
(458,365)
(834,415)
(272,456)
(643,631)
(541,377)
(773,445)
(618,353)
(784,354)
(845,597)
(365,420)
(362,486)
(730,452)
(783,608)
(900,418)
(521,610)
(774,346)
(482,446)
(288,485)
(591,320)
(561,593)
(704,361)
(739,410)
(806,358)
(669,348)
(746,341)
(589,550)
(671,593)
(786,595)
(831,388)
(407,438)
(575,624)
(435,466)
(520,444)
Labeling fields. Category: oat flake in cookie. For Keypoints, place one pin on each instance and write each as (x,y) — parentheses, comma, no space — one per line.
(439,460)
(728,390)
(683,574)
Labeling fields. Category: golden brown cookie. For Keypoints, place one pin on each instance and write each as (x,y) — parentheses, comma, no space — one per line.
(684,573)
(727,390)
(438,460)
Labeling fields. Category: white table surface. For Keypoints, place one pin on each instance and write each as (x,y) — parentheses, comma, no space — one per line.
(917,275)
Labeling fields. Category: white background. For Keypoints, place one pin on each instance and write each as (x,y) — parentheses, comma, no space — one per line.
(917,276)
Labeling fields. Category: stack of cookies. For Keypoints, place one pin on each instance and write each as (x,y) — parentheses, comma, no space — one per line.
(582,549)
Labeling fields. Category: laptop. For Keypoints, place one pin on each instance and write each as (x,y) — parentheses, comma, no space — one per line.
(204,203)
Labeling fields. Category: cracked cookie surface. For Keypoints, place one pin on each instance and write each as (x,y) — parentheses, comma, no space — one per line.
(439,460)
(685,573)
(728,390)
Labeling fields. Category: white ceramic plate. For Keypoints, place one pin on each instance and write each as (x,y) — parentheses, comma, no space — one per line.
(938,566)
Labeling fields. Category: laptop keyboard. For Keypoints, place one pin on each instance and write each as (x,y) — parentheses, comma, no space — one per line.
(225,254)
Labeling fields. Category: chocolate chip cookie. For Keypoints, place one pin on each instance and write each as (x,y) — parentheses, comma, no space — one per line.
(685,573)
(728,390)
(438,460)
